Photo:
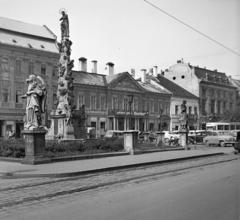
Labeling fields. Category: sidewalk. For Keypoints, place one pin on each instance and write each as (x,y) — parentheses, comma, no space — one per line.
(72,168)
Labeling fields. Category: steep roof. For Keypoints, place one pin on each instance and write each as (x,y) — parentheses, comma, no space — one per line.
(86,78)
(201,72)
(26,28)
(152,88)
(21,34)
(176,90)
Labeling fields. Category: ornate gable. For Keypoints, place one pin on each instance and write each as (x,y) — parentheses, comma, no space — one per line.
(126,83)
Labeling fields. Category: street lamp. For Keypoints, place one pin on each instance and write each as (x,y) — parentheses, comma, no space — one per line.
(130,101)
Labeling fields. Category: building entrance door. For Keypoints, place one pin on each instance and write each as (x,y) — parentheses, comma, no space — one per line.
(141,124)
(19,128)
(121,124)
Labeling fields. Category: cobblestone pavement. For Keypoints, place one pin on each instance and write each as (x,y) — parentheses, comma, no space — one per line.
(20,193)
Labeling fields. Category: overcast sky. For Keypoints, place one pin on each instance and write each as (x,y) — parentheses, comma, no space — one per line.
(132,34)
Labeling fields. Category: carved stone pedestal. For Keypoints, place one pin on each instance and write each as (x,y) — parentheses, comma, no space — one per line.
(60,129)
(183,139)
(34,146)
(160,139)
(130,141)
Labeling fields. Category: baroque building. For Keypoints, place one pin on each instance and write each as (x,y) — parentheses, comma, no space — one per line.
(24,49)
(118,101)
(179,94)
(217,96)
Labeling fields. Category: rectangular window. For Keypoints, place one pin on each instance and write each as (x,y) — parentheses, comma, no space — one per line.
(18,96)
(18,67)
(224,106)
(152,107)
(155,106)
(151,126)
(195,110)
(30,68)
(160,108)
(125,104)
(135,105)
(93,124)
(218,107)
(103,102)
(5,95)
(176,110)
(212,106)
(81,101)
(43,69)
(115,102)
(93,103)
(102,125)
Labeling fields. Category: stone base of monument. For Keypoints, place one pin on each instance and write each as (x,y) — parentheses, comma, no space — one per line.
(34,146)
(160,139)
(60,129)
(183,139)
(130,140)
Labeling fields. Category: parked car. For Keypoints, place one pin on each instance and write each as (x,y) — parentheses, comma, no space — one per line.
(114,133)
(219,138)
(196,136)
(237,144)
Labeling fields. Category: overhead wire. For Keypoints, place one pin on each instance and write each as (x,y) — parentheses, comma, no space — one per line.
(192,28)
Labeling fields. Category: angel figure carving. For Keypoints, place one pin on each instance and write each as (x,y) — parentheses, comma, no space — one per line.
(36,102)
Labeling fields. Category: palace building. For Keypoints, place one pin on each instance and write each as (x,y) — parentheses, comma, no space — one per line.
(24,49)
(119,102)
(217,95)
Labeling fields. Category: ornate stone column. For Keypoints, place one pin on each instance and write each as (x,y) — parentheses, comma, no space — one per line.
(61,118)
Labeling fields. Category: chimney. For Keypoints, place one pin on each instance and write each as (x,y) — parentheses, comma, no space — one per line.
(110,68)
(144,73)
(133,73)
(150,72)
(94,66)
(155,71)
(83,64)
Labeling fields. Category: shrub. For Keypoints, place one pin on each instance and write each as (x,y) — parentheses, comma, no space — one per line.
(16,148)
(12,148)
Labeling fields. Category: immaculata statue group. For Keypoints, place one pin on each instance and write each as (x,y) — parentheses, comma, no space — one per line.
(36,96)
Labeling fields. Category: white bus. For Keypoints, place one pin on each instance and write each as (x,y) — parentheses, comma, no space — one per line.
(232,127)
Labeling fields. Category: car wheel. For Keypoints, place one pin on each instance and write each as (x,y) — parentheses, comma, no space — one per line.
(221,144)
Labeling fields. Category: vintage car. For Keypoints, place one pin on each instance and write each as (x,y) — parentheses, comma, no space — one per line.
(114,133)
(196,136)
(219,138)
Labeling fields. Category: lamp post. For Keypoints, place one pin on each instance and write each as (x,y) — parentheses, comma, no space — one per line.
(130,101)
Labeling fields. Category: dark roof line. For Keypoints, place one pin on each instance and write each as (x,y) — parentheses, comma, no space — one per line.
(176,90)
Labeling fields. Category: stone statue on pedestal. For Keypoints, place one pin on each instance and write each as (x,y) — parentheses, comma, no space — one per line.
(34,132)
(36,102)
(64,24)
